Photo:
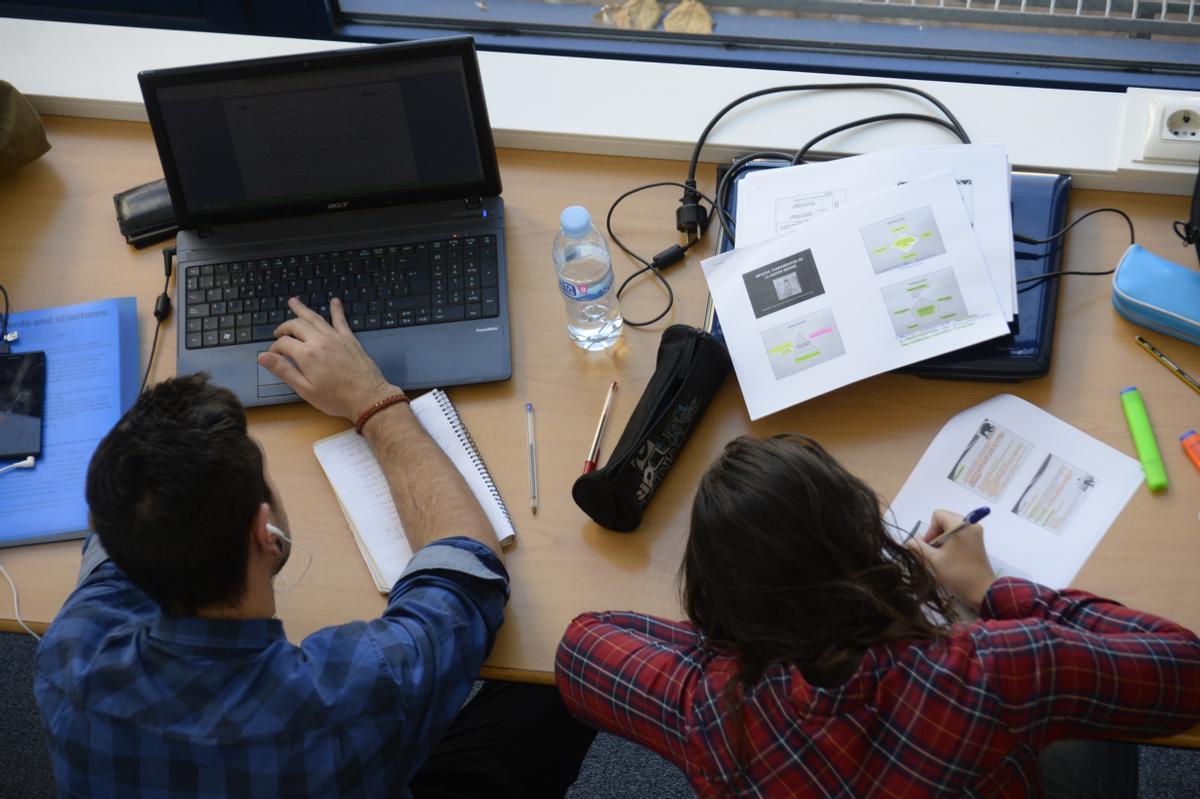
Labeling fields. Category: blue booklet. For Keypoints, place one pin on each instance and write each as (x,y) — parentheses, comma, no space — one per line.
(91,380)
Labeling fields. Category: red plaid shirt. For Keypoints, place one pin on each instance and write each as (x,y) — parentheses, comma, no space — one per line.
(962,716)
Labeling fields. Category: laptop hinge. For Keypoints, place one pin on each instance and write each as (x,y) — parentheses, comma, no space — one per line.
(205,231)
(474,202)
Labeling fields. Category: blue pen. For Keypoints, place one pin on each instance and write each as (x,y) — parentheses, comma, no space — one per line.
(973,517)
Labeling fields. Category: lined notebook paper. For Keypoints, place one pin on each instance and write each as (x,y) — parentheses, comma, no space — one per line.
(362,490)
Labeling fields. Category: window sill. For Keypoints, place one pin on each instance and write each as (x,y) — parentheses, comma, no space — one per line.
(634,108)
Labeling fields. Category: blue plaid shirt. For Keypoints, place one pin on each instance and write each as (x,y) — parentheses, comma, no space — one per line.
(138,703)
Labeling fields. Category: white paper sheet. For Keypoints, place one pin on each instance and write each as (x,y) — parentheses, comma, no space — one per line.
(365,497)
(774,201)
(1053,491)
(875,285)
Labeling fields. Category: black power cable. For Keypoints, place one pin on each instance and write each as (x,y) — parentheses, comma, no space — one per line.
(1037,280)
(4,324)
(655,265)
(1189,231)
(162,309)
(730,176)
(803,151)
(693,219)
(690,217)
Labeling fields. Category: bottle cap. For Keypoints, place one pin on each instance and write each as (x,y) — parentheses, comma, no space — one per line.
(575,220)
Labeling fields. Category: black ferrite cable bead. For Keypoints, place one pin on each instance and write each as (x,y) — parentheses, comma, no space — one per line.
(162,307)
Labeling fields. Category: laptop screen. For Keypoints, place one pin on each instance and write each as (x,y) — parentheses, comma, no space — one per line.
(347,130)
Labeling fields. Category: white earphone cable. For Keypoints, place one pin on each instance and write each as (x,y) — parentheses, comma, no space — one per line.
(17,603)
(28,463)
(288,583)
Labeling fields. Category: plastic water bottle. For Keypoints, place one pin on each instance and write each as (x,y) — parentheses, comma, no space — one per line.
(585,278)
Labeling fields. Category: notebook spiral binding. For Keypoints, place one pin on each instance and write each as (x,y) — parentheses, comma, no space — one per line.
(464,435)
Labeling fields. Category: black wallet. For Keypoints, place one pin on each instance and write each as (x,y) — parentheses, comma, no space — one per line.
(690,368)
(145,214)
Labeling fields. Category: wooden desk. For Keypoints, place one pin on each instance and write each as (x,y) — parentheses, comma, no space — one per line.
(59,245)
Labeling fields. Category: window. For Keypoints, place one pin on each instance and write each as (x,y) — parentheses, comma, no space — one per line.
(1074,44)
(1066,43)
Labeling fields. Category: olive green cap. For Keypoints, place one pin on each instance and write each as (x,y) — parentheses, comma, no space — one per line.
(22,135)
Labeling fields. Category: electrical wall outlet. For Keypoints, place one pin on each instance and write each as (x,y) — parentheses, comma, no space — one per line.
(1172,131)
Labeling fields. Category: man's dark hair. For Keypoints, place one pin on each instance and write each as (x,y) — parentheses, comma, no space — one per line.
(788,562)
(173,489)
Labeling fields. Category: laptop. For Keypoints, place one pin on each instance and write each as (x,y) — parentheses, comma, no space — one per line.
(367,174)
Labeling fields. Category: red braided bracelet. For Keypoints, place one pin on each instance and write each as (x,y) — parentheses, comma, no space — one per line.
(387,402)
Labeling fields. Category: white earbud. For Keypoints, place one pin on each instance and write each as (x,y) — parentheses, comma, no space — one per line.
(277,531)
(28,463)
(288,583)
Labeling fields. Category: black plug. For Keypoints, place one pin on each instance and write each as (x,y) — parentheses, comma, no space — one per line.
(162,305)
(691,218)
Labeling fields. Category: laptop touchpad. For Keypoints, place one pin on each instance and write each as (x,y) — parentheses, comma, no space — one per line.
(269,385)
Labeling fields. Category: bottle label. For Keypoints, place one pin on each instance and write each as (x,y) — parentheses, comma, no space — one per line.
(586,292)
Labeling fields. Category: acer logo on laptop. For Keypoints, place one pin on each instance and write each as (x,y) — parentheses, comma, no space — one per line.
(338,205)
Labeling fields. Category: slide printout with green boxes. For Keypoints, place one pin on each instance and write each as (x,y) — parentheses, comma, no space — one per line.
(904,239)
(771,202)
(924,302)
(821,306)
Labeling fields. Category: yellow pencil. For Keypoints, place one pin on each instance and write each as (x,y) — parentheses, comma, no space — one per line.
(1167,362)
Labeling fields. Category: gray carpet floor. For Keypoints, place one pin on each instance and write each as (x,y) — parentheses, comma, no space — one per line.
(614,768)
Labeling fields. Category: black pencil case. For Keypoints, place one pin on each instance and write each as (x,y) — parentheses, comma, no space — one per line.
(145,214)
(691,366)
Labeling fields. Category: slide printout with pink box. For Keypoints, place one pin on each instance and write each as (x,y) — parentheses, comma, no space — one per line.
(865,288)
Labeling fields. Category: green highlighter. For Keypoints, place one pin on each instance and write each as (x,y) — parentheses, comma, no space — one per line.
(1143,438)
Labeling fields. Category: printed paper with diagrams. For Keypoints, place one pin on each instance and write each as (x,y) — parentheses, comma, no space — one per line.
(774,201)
(1053,490)
(924,302)
(803,343)
(818,308)
(902,240)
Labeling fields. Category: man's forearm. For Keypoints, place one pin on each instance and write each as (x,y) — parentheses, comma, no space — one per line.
(431,497)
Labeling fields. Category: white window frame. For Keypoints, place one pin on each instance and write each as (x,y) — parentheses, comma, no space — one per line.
(636,108)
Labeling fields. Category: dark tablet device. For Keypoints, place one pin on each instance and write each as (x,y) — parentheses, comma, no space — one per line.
(22,399)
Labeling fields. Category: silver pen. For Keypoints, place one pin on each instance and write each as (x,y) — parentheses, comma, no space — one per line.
(533,492)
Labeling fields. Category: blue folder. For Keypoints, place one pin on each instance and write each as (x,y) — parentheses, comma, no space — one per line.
(91,380)
(1039,208)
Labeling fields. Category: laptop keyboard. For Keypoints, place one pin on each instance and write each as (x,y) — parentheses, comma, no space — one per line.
(402,285)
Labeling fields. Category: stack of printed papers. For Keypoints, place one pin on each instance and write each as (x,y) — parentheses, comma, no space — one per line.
(859,266)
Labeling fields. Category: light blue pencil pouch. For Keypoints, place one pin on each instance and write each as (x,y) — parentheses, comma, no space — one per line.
(1158,294)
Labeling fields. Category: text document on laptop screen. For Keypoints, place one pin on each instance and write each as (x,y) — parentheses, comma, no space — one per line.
(323,135)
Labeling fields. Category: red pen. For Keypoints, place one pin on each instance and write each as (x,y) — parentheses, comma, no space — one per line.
(594,453)
(1191,445)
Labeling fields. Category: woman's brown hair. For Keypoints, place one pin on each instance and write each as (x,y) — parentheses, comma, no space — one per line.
(789,561)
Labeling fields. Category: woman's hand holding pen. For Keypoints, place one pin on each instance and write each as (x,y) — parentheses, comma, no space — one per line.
(960,562)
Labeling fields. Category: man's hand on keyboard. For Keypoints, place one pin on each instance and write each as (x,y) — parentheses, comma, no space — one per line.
(324,363)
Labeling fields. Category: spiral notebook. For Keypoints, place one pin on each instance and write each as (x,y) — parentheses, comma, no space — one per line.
(363,494)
